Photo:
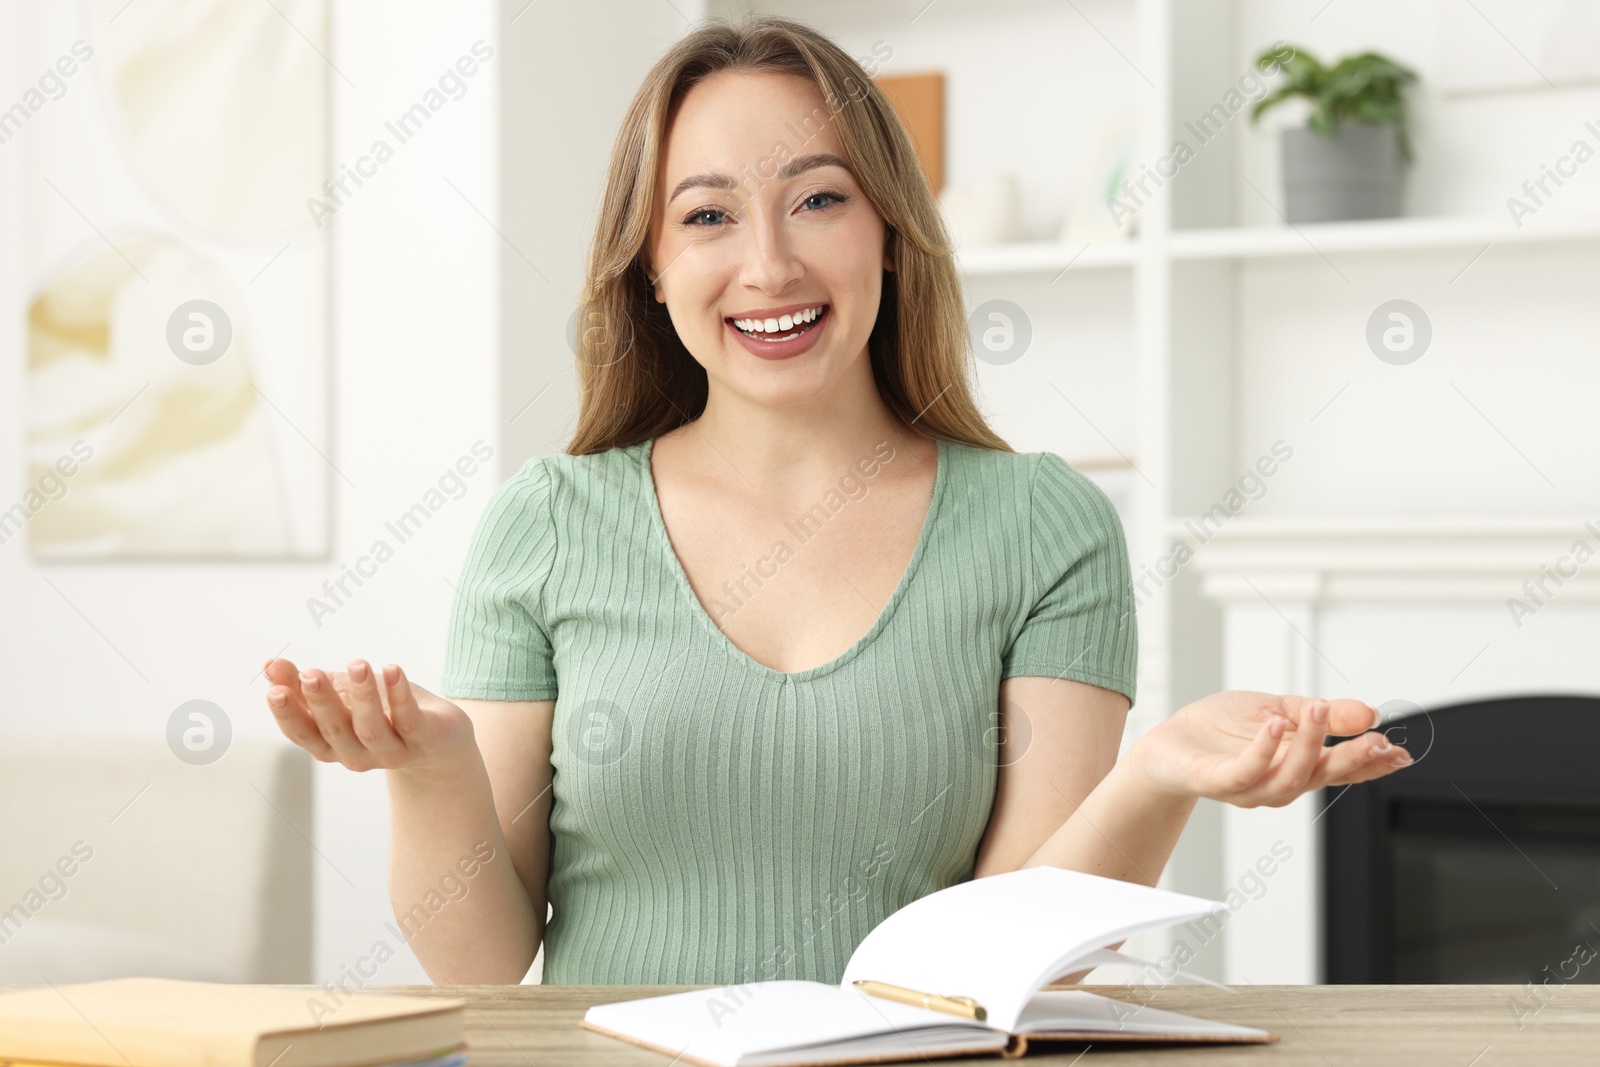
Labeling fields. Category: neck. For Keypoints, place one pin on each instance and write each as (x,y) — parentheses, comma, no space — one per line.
(781,448)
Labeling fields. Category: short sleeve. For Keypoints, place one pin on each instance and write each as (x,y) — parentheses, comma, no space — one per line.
(498,646)
(1082,623)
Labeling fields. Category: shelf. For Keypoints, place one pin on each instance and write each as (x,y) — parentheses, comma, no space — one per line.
(1372,235)
(1045,257)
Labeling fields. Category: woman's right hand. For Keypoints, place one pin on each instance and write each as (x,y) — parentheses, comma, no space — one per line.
(366,720)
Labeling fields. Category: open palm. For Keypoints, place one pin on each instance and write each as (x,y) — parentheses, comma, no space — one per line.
(1252,749)
(367,719)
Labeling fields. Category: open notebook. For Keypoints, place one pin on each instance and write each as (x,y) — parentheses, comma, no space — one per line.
(993,943)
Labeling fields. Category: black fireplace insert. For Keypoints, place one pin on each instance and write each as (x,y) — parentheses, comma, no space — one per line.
(1480,863)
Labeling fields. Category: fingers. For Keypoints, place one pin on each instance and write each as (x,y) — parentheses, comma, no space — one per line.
(357,718)
(1362,759)
(1299,763)
(1297,771)
(1359,759)
(1256,759)
(333,720)
(402,701)
(1307,763)
(1345,715)
(285,701)
(367,716)
(282,672)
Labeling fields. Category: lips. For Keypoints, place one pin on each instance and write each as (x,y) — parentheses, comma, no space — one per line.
(783,343)
(778,322)
(773,328)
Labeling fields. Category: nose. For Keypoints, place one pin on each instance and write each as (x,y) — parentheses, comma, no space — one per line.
(771,262)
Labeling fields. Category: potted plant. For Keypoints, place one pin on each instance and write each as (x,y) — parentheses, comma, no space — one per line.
(1348,161)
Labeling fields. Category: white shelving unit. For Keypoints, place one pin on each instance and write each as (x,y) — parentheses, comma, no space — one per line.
(1177,351)
(1046,257)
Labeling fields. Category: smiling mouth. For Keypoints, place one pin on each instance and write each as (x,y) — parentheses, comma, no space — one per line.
(780,334)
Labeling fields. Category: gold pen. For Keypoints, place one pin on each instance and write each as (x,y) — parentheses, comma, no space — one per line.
(965,1007)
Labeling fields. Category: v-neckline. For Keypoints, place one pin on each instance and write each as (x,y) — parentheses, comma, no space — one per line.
(659,524)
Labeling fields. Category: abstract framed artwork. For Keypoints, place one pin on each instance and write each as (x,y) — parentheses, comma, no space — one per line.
(177,318)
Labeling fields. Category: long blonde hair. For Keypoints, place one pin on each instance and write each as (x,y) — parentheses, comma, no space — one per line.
(637,378)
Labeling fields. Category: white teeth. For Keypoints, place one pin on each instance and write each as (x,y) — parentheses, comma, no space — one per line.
(782,323)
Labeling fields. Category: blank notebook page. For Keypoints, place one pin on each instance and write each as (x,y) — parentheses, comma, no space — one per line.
(727,1023)
(998,939)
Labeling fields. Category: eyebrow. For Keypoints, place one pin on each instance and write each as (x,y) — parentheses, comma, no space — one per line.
(798,165)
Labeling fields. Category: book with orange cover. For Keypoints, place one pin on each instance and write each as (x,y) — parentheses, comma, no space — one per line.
(169,1022)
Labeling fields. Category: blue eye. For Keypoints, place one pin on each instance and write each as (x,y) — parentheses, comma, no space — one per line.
(837,198)
(690,221)
(692,218)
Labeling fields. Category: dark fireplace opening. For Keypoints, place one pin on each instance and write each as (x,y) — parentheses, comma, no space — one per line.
(1470,907)
(1478,864)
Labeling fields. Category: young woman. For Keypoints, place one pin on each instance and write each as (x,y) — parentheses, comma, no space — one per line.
(823,642)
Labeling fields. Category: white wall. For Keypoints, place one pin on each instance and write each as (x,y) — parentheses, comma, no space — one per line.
(561,104)
(414,383)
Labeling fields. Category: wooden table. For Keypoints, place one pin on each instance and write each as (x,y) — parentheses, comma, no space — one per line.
(1317,1026)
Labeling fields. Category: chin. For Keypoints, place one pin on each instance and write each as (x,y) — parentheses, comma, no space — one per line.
(781,386)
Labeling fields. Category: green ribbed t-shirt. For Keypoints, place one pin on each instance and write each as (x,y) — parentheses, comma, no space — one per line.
(715,821)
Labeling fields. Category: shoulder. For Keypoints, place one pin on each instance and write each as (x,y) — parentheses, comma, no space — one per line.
(1062,495)
(1040,486)
(542,481)
(541,507)
(520,496)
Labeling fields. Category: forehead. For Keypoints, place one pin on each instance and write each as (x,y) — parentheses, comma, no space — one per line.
(734,119)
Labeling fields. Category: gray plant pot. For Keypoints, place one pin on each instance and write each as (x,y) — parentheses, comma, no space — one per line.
(1356,174)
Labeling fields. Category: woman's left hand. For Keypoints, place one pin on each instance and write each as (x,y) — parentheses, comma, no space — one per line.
(1251,749)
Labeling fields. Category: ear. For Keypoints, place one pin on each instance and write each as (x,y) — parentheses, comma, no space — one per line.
(650,276)
(891,241)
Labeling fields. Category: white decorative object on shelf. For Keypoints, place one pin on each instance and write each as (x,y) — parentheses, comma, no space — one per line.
(1103,209)
(982,212)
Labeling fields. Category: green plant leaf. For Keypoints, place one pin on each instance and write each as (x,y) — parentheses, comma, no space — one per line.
(1366,87)
(1302,75)
(1277,95)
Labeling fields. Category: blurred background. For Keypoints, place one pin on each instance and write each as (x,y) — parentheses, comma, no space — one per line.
(288,288)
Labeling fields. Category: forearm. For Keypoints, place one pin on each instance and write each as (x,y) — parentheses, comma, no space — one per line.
(1124,829)
(480,927)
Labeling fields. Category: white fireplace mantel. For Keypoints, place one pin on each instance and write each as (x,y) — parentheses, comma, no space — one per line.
(1397,560)
(1379,610)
